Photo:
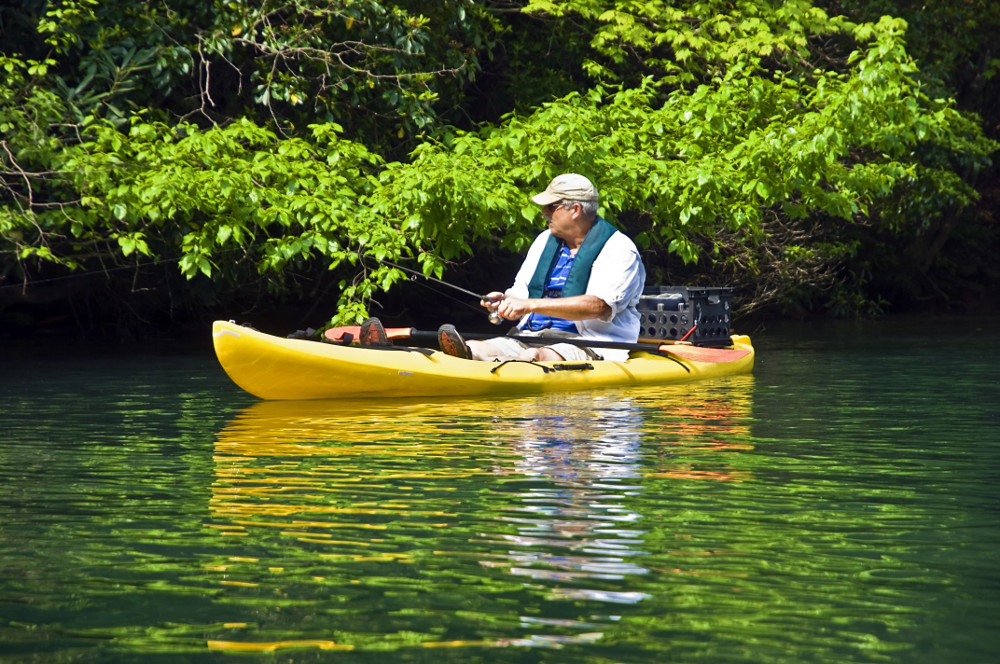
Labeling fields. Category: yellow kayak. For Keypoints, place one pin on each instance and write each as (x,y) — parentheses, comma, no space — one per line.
(273,367)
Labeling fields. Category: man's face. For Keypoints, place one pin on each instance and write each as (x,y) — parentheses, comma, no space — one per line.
(561,219)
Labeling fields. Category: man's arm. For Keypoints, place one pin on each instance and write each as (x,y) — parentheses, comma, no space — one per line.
(577,307)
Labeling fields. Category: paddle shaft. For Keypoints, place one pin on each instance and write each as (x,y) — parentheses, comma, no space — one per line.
(424,335)
(679,352)
(667,348)
(427,336)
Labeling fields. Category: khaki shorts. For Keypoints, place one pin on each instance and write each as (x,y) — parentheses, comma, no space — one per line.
(509,349)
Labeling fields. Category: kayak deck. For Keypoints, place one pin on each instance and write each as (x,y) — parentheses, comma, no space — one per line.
(272,367)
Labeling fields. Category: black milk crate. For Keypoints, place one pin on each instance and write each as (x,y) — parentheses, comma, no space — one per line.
(669,313)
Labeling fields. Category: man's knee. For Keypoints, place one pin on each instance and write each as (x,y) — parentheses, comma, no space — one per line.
(542,354)
(481,350)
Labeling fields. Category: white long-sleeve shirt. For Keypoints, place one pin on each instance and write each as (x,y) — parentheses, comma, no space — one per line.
(617,277)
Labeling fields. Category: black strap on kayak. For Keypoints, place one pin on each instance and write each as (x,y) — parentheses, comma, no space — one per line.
(582,366)
(676,360)
(404,349)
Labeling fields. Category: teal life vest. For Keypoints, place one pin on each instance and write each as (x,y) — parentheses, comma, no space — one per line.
(583,263)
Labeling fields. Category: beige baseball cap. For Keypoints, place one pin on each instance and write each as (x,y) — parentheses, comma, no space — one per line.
(568,186)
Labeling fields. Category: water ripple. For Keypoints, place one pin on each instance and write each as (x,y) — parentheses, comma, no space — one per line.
(836,506)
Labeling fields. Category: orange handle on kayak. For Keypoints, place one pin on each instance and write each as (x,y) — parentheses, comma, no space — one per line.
(338,333)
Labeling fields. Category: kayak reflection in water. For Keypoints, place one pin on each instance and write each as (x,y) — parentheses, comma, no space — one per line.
(581,278)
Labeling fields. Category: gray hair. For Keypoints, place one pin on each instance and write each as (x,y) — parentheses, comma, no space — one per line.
(589,208)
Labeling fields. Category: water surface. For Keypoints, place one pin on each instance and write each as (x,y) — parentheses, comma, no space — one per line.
(839,505)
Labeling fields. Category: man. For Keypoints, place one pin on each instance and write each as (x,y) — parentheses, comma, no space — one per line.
(581,278)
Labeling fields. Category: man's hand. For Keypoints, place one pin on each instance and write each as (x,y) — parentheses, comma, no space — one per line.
(513,308)
(492,300)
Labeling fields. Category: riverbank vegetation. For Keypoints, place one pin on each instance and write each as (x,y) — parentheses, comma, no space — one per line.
(163,163)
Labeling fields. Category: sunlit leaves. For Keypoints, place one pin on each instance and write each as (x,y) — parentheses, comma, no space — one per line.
(681,42)
(278,201)
(715,122)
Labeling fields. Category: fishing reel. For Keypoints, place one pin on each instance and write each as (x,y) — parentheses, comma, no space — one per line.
(494,314)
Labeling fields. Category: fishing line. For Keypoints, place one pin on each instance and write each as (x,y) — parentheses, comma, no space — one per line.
(109,270)
(442,293)
(415,273)
(493,316)
(80,275)
(106,271)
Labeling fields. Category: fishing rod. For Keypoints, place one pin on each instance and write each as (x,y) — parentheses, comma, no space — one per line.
(494,316)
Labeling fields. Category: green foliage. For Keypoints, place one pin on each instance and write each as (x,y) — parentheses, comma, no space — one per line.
(383,69)
(724,157)
(229,201)
(764,145)
(391,63)
(768,139)
(679,43)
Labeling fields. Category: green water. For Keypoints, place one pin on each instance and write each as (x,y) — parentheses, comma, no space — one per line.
(839,505)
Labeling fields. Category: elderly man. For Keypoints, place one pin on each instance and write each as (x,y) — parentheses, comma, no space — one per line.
(581,279)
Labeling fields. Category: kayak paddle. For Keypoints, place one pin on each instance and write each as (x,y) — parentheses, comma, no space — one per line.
(686,351)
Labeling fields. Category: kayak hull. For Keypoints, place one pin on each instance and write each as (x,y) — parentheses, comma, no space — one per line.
(271,367)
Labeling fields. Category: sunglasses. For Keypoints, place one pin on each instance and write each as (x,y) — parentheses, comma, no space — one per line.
(552,207)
